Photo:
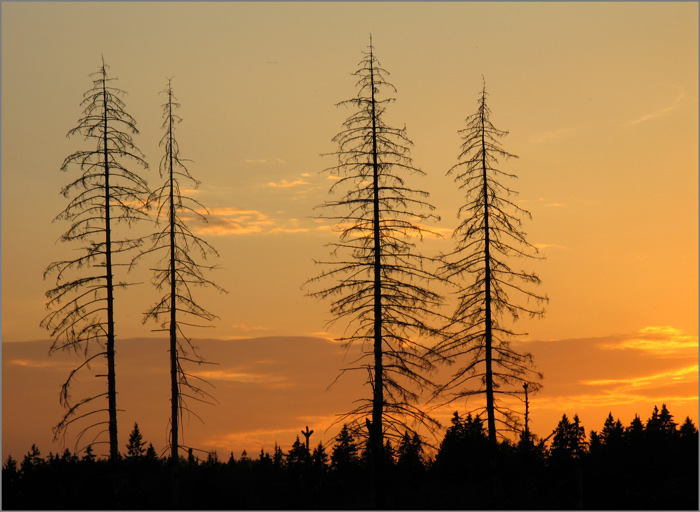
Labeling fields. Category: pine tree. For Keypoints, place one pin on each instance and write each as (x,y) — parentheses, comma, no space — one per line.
(105,194)
(179,270)
(135,448)
(319,457)
(381,282)
(32,460)
(89,455)
(345,451)
(410,454)
(613,433)
(151,452)
(569,440)
(298,456)
(688,429)
(278,457)
(490,233)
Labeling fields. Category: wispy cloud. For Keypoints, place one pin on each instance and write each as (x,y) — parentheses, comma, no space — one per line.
(662,112)
(609,401)
(549,203)
(241,377)
(28,363)
(664,340)
(249,328)
(236,221)
(232,221)
(287,184)
(675,376)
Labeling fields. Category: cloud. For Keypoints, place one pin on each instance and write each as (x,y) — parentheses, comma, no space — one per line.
(287,184)
(661,341)
(679,375)
(606,402)
(551,204)
(235,221)
(230,221)
(248,328)
(241,377)
(51,364)
(663,112)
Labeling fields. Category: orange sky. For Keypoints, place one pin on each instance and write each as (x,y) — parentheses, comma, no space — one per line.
(600,100)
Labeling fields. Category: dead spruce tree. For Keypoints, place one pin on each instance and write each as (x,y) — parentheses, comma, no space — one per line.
(105,194)
(489,235)
(179,270)
(380,280)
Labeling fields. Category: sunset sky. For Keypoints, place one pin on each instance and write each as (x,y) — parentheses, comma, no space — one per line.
(601,102)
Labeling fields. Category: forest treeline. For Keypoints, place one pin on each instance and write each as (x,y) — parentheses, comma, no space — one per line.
(640,465)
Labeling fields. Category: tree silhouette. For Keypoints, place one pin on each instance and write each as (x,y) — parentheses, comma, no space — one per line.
(298,457)
(489,233)
(136,446)
(345,453)
(319,457)
(569,440)
(380,280)
(106,193)
(178,271)
(612,435)
(410,455)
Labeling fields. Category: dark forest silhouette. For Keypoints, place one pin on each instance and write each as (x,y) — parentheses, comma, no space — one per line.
(650,464)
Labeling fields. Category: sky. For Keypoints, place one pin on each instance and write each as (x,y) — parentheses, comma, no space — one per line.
(600,102)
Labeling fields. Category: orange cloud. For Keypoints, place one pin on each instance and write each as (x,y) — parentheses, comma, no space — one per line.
(680,375)
(242,377)
(661,341)
(248,328)
(39,364)
(286,184)
(235,221)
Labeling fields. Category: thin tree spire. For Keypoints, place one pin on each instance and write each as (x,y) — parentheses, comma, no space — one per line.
(488,236)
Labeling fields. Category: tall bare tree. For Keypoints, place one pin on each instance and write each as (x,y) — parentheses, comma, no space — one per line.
(106,193)
(180,269)
(380,281)
(489,235)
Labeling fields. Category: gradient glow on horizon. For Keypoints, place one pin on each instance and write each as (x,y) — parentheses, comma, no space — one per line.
(600,101)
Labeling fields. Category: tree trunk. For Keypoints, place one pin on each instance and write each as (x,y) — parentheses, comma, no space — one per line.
(111,377)
(376,437)
(174,384)
(490,408)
